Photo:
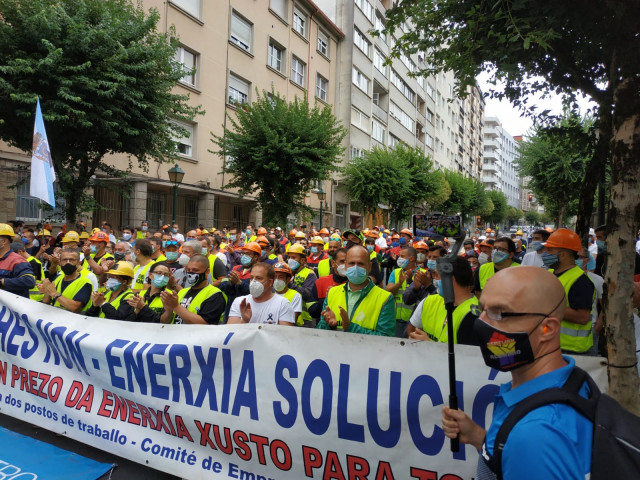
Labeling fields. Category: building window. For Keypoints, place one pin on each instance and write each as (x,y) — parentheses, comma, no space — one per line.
(297,71)
(411,66)
(300,22)
(359,119)
(429,116)
(189,6)
(322,86)
(276,56)
(378,62)
(366,8)
(157,209)
(341,209)
(188,61)
(323,43)
(238,90)
(400,115)
(393,141)
(185,142)
(360,80)
(377,132)
(429,141)
(379,26)
(361,42)
(402,86)
(356,152)
(279,7)
(429,90)
(241,32)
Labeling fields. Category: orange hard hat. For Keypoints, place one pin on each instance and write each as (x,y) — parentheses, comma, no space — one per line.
(406,231)
(262,231)
(99,236)
(293,232)
(485,244)
(564,238)
(421,245)
(324,231)
(262,240)
(283,268)
(253,247)
(549,229)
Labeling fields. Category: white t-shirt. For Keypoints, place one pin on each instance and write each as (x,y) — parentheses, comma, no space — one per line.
(533,259)
(637,246)
(178,237)
(593,249)
(381,242)
(276,309)
(598,281)
(296,301)
(416,316)
(222,257)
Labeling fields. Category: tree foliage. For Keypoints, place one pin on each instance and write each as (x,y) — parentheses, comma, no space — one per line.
(555,158)
(278,151)
(500,208)
(468,196)
(104,77)
(532,217)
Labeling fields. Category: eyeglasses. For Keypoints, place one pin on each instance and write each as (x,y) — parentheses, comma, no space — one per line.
(170,243)
(496,315)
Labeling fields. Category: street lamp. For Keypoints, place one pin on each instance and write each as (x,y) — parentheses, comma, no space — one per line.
(176,174)
(321,196)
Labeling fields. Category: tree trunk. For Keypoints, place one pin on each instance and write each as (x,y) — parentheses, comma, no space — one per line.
(623,220)
(594,172)
(561,213)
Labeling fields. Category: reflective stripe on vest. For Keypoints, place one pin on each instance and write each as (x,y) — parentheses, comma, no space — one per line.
(299,280)
(403,312)
(366,310)
(34,293)
(434,317)
(116,301)
(324,268)
(139,274)
(488,270)
(573,336)
(70,290)
(201,296)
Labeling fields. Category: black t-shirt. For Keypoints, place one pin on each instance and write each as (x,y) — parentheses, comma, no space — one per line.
(210,310)
(219,270)
(466,334)
(581,293)
(83,295)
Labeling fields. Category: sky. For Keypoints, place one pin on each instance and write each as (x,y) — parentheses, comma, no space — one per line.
(512,119)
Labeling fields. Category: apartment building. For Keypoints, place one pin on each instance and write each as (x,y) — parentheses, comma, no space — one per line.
(499,171)
(235,47)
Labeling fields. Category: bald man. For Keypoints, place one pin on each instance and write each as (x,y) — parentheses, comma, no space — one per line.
(519,331)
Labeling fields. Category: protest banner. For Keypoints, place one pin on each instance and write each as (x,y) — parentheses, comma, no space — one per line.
(243,401)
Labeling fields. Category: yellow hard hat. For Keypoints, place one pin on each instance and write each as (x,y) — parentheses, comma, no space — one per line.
(300,235)
(6,230)
(70,236)
(84,235)
(317,240)
(296,248)
(204,231)
(43,233)
(123,269)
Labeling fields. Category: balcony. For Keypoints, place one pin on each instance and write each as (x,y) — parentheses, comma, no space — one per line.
(490,167)
(379,112)
(380,79)
(490,181)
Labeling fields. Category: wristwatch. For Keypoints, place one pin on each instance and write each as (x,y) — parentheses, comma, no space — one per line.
(56,297)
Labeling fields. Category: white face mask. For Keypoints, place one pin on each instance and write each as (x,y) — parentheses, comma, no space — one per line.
(421,257)
(184,260)
(256,288)
(279,284)
(483,258)
(342,270)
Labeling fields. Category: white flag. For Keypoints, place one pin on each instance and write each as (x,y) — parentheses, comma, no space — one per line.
(42,172)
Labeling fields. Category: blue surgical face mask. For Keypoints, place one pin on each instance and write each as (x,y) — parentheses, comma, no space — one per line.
(395,244)
(174,230)
(601,245)
(370,248)
(160,281)
(204,251)
(579,262)
(402,262)
(293,264)
(314,249)
(403,241)
(171,256)
(247,233)
(549,259)
(535,245)
(432,264)
(93,249)
(497,256)
(438,284)
(263,254)
(356,274)
(245,260)
(232,238)
(113,284)
(126,237)
(591,264)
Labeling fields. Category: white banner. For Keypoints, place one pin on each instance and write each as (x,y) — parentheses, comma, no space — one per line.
(243,402)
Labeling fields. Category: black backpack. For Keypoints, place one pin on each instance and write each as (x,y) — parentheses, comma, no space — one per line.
(616,431)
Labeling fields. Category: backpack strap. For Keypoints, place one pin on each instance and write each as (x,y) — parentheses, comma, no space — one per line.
(568,395)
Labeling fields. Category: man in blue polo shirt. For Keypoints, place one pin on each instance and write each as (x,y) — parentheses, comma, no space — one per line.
(519,331)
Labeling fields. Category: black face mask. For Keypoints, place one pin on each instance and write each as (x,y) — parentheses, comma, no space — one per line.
(501,350)
(68,268)
(350,244)
(119,256)
(194,279)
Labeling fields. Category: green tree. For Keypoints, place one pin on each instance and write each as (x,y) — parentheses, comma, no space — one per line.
(463,193)
(555,157)
(562,47)
(104,77)
(366,186)
(532,217)
(514,214)
(500,207)
(424,185)
(278,151)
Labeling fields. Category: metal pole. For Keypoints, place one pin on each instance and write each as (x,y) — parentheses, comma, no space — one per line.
(175,203)
(321,205)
